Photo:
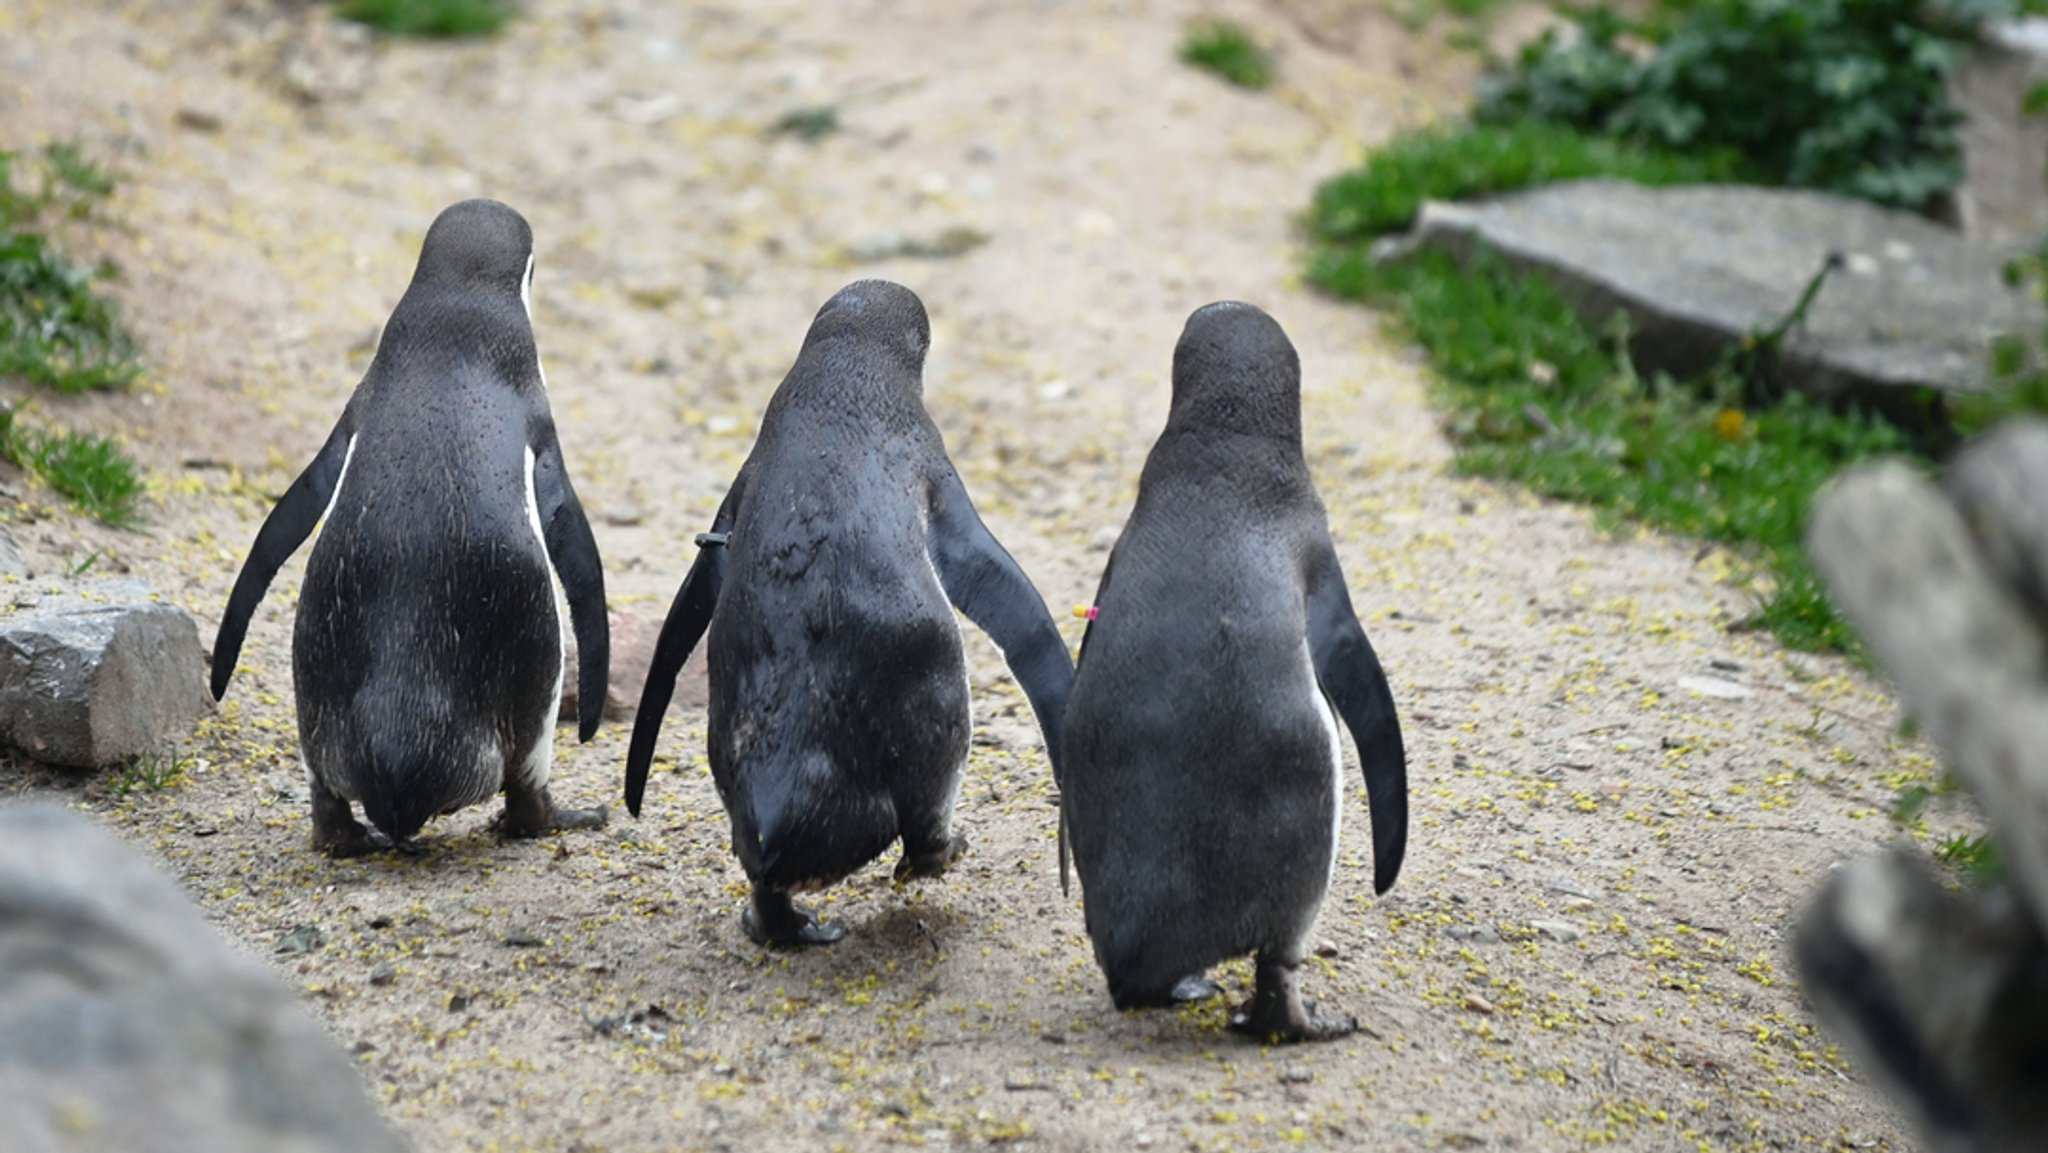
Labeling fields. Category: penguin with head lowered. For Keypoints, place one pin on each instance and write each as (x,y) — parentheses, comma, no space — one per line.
(838,712)
(427,651)
(1202,787)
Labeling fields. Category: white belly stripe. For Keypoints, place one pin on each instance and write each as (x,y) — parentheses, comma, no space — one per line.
(541,761)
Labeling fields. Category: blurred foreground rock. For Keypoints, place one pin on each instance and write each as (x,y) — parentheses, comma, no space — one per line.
(1701,267)
(128,1026)
(95,674)
(1943,996)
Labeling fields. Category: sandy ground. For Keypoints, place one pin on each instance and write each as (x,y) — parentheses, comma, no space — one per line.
(1587,946)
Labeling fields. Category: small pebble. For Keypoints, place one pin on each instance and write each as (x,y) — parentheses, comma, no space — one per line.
(1478,1004)
(382,973)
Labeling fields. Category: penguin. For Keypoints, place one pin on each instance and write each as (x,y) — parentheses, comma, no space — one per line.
(838,712)
(1202,779)
(427,650)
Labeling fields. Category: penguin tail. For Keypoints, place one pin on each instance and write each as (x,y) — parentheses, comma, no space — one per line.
(388,785)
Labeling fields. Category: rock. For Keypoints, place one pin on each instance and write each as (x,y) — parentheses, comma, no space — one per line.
(127,1024)
(1563,932)
(1697,268)
(2003,199)
(12,563)
(1715,687)
(97,673)
(633,637)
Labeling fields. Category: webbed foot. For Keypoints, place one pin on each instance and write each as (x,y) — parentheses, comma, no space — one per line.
(773,920)
(532,813)
(931,864)
(1276,1014)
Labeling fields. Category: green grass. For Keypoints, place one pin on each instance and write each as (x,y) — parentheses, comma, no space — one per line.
(55,330)
(1227,50)
(447,19)
(1386,192)
(1534,397)
(152,772)
(91,471)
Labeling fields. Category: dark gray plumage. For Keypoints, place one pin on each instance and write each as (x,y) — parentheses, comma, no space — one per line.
(1202,790)
(426,655)
(839,702)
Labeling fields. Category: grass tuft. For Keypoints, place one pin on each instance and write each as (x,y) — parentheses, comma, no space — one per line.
(55,330)
(442,19)
(1386,192)
(1227,50)
(89,470)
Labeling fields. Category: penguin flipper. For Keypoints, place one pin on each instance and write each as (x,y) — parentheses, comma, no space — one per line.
(290,522)
(982,580)
(1350,675)
(688,617)
(573,551)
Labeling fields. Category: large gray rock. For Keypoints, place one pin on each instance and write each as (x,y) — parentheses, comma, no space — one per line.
(94,674)
(128,1026)
(2003,199)
(1700,267)
(1942,996)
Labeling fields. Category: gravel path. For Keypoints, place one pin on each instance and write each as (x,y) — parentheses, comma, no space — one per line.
(1618,801)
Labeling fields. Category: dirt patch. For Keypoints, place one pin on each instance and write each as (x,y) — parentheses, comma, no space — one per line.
(1586,946)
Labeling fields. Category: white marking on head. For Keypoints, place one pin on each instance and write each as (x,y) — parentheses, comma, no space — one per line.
(526,301)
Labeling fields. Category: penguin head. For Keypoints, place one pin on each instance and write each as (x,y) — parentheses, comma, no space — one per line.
(478,245)
(880,316)
(1234,370)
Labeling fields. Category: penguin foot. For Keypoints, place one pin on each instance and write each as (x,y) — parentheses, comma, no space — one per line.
(933,864)
(1194,987)
(774,921)
(532,813)
(1276,1014)
(353,840)
(1288,1029)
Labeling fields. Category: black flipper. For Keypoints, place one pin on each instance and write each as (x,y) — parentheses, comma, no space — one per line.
(290,521)
(573,551)
(1350,675)
(982,580)
(688,617)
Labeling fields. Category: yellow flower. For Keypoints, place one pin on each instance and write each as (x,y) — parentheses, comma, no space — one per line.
(1731,425)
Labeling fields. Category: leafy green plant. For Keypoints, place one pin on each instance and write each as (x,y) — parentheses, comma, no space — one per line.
(89,470)
(1533,396)
(1228,51)
(446,19)
(1384,193)
(1844,95)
